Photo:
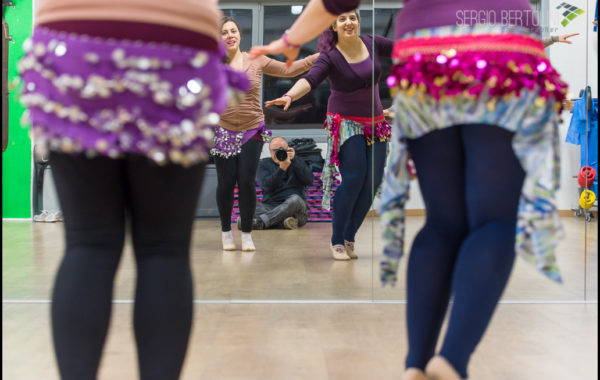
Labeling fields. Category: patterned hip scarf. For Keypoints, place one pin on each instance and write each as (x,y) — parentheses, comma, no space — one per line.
(340,129)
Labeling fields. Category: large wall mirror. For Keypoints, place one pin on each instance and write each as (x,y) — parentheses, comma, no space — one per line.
(297,265)
(591,151)
(288,265)
(577,253)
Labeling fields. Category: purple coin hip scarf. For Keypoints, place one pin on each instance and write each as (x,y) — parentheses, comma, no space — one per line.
(229,143)
(112,97)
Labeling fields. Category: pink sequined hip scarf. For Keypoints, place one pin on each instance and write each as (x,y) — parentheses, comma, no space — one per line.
(450,66)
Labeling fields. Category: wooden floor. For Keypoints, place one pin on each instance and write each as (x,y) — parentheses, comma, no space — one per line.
(343,325)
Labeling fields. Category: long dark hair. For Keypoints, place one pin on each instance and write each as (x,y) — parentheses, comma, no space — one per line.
(329,38)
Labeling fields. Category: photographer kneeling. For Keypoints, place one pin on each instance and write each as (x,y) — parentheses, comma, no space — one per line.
(283,178)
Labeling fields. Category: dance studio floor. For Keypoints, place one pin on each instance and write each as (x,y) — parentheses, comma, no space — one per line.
(290,312)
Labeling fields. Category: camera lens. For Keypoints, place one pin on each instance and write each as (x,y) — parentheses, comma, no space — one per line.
(281,154)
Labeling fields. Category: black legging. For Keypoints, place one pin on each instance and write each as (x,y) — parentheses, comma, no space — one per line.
(241,169)
(471,183)
(95,196)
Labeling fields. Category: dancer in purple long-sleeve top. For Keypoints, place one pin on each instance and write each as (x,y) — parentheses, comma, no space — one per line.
(357,131)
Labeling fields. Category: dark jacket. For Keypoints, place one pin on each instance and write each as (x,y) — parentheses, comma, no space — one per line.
(277,185)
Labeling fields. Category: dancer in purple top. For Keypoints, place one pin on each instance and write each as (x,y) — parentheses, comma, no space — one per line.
(477,105)
(357,130)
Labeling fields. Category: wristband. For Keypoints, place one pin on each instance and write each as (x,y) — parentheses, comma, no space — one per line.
(288,95)
(286,42)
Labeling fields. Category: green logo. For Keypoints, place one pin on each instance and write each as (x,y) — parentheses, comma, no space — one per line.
(569,12)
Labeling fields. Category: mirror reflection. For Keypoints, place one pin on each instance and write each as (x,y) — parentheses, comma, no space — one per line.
(287,256)
(291,197)
(572,31)
(298,262)
(590,171)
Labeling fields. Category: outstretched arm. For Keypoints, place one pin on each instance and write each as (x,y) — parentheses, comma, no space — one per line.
(301,88)
(317,16)
(563,39)
(276,68)
(385,46)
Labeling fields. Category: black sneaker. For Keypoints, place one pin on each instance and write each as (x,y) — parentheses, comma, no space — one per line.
(290,223)
(258,224)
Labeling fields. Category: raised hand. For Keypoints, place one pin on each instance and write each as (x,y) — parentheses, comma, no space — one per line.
(564,37)
(276,47)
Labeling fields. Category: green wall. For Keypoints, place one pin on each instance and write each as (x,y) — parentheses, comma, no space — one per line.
(16,159)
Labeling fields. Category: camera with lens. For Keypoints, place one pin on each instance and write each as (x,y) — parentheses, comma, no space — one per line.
(281,154)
